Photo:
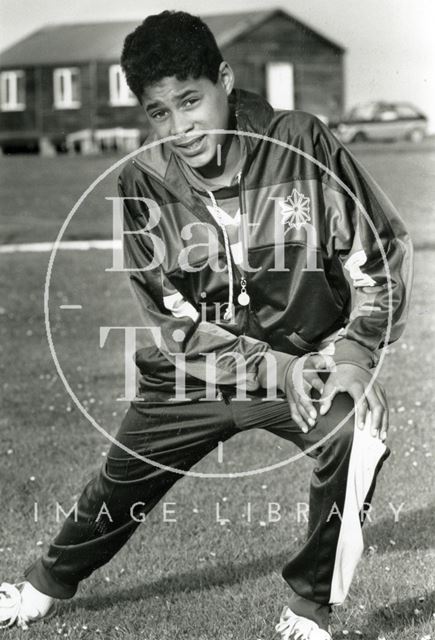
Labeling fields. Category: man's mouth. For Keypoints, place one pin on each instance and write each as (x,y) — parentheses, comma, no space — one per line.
(191,147)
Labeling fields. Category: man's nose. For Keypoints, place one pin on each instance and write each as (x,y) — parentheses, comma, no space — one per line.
(180,124)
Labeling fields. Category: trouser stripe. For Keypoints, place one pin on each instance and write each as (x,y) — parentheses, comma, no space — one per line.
(366,454)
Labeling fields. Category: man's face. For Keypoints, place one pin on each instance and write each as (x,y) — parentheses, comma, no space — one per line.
(187,107)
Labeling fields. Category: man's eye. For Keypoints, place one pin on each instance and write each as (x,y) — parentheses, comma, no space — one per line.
(158,115)
(190,102)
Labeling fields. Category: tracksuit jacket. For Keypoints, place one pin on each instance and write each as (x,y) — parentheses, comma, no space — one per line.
(313,255)
(325,255)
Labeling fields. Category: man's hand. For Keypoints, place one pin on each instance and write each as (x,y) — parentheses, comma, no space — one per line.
(355,381)
(299,381)
(302,378)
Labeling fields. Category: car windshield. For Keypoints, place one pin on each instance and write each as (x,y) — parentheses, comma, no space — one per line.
(406,111)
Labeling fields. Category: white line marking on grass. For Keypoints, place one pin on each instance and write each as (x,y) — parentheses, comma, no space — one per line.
(70,306)
(69,245)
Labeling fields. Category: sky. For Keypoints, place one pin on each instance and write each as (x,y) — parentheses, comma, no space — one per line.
(390,43)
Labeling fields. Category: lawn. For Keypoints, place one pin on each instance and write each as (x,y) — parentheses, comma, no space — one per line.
(195,578)
(36,196)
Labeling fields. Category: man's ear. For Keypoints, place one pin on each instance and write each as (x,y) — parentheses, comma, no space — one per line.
(226,77)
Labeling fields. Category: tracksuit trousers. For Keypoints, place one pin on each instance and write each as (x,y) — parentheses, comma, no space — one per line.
(178,435)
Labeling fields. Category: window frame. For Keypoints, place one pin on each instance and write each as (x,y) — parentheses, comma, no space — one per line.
(66,101)
(5,77)
(119,92)
(407,112)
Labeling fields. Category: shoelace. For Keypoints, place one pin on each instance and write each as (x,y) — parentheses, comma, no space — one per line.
(293,627)
(10,607)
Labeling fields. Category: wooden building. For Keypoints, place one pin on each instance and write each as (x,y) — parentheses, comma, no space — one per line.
(63,83)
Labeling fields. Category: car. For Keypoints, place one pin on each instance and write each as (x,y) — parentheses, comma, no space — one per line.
(382,121)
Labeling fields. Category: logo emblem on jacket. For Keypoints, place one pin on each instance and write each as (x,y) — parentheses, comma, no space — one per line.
(295,210)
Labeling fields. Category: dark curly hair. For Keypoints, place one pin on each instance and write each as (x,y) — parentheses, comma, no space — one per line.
(171,43)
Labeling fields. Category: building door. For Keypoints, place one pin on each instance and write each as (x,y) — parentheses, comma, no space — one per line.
(280,85)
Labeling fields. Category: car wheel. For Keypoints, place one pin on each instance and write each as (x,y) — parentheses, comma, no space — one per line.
(416,136)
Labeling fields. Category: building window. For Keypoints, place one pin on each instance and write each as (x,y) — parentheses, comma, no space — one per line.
(66,88)
(120,94)
(280,85)
(12,91)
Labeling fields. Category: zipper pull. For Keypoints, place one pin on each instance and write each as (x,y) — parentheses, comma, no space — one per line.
(243,298)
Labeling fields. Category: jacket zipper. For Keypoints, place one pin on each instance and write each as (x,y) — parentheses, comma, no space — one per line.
(228,315)
(243,298)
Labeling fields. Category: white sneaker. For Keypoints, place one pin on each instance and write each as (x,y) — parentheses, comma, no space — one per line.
(21,604)
(294,627)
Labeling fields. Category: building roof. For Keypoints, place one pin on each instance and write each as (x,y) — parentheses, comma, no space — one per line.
(81,42)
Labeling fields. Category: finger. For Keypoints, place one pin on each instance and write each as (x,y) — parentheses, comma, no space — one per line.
(305,415)
(300,392)
(296,416)
(303,400)
(376,417)
(377,409)
(385,425)
(318,362)
(386,416)
(357,393)
(314,380)
(295,391)
(382,394)
(329,392)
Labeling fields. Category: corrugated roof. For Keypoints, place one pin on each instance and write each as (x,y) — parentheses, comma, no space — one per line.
(82,42)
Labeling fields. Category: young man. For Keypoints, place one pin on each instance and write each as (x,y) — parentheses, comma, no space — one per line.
(255,242)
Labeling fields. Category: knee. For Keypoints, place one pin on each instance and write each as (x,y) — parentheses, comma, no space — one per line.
(341,421)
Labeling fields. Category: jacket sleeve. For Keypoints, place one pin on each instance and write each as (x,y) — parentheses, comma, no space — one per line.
(365,230)
(195,347)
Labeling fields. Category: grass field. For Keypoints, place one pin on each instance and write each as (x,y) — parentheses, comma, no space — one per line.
(195,578)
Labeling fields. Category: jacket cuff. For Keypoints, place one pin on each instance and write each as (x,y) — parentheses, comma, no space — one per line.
(283,363)
(352,352)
